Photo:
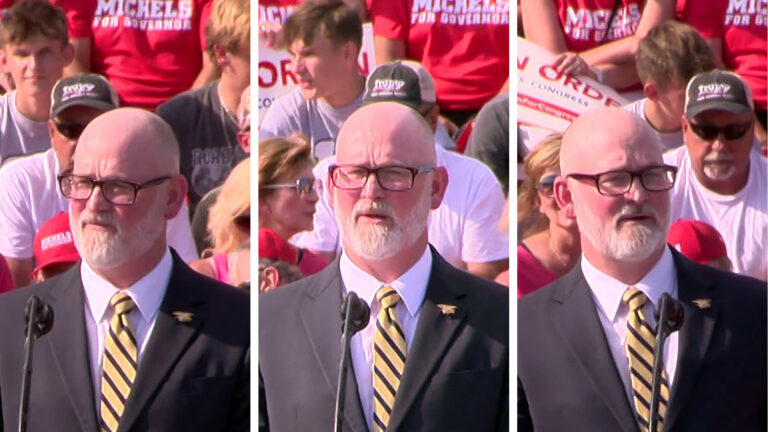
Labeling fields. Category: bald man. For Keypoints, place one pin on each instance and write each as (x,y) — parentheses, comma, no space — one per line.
(585,342)
(434,355)
(139,341)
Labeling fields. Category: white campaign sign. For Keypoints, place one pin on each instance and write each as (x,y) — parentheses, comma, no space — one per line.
(276,78)
(551,100)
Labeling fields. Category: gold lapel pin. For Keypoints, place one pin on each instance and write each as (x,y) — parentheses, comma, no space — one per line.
(447,309)
(703,303)
(183,317)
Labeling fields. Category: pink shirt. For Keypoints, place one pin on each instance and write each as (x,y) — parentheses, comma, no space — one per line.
(531,273)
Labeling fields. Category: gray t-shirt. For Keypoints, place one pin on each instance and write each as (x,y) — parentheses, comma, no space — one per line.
(668,140)
(20,136)
(489,140)
(207,136)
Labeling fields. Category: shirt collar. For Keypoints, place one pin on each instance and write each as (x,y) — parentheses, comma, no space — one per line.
(411,285)
(608,291)
(147,293)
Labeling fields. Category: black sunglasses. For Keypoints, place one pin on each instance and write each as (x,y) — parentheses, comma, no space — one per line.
(729,132)
(70,130)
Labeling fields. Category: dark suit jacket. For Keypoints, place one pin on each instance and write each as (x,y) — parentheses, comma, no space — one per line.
(193,376)
(567,379)
(456,373)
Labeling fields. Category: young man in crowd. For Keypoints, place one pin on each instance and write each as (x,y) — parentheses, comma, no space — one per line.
(35,50)
(205,120)
(667,58)
(55,250)
(29,187)
(722,179)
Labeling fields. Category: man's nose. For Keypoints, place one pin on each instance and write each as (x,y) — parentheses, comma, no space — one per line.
(372,189)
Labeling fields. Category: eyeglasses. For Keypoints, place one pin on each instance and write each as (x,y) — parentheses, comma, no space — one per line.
(117,192)
(654,179)
(730,132)
(304,186)
(243,222)
(391,178)
(70,130)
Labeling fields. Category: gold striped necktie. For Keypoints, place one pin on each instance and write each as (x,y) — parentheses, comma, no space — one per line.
(641,342)
(118,364)
(389,352)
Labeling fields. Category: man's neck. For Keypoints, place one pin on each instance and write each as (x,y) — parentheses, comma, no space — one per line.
(229,93)
(389,269)
(36,107)
(627,272)
(347,94)
(659,121)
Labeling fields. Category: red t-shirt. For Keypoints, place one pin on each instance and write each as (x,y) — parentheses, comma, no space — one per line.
(276,11)
(150,51)
(465,45)
(741,25)
(584,22)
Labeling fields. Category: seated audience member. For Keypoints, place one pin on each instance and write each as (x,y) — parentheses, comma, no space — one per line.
(721,179)
(464,228)
(55,250)
(667,58)
(229,222)
(489,140)
(700,242)
(205,119)
(277,261)
(550,240)
(324,41)
(288,193)
(29,188)
(35,49)
(147,65)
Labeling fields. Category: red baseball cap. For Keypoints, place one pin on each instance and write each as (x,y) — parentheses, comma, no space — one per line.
(699,241)
(272,246)
(54,243)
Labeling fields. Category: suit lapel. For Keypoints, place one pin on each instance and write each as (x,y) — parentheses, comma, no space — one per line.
(434,334)
(695,334)
(69,347)
(320,314)
(575,316)
(170,337)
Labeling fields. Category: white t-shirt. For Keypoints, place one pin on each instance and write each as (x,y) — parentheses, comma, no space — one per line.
(742,219)
(19,135)
(668,140)
(463,229)
(30,196)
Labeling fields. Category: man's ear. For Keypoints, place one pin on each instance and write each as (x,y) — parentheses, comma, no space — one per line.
(439,185)
(177,195)
(651,91)
(351,51)
(221,55)
(269,279)
(563,197)
(69,54)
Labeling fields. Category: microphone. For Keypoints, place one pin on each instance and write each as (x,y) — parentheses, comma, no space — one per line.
(39,318)
(669,319)
(355,314)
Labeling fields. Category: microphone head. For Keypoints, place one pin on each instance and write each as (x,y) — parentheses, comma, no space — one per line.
(673,312)
(359,312)
(43,316)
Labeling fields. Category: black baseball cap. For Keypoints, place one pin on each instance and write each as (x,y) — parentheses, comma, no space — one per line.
(403,81)
(717,90)
(90,90)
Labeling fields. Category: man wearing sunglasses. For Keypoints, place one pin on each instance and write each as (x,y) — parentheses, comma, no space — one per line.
(586,342)
(434,354)
(722,178)
(28,186)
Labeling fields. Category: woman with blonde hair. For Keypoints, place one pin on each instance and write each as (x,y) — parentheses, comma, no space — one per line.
(550,244)
(229,224)
(288,193)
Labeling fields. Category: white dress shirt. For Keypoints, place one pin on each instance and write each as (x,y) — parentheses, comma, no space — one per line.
(607,293)
(147,293)
(411,286)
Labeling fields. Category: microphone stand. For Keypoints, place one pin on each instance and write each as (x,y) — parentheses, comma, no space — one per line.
(355,314)
(670,319)
(39,322)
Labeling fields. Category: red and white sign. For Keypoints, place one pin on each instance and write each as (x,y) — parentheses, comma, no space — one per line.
(549,99)
(276,78)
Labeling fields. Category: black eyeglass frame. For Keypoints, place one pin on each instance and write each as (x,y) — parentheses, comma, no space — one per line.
(100,183)
(668,170)
(710,133)
(302,185)
(413,170)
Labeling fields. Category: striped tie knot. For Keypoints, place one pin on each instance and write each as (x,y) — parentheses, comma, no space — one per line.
(387,297)
(634,298)
(121,303)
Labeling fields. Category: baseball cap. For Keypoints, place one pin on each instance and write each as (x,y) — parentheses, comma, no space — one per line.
(90,90)
(403,81)
(274,247)
(54,243)
(717,90)
(697,240)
